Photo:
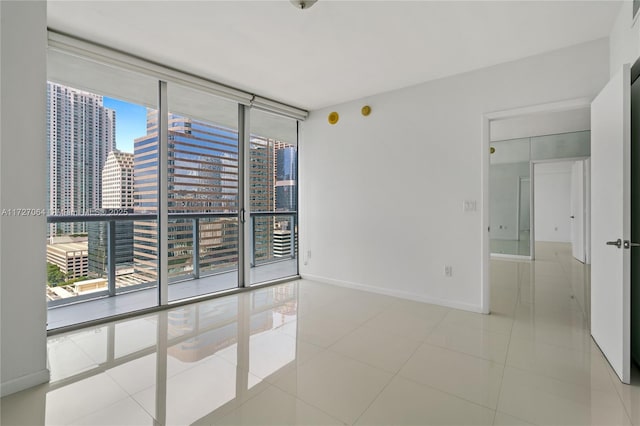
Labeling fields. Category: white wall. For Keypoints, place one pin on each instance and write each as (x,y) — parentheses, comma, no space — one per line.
(382,196)
(552,201)
(624,39)
(23,166)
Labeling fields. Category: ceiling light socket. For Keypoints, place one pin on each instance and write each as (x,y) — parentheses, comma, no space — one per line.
(303,4)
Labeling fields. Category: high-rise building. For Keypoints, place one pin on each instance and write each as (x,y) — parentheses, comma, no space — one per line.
(261,193)
(286,176)
(203,178)
(80,134)
(70,257)
(281,243)
(117,181)
(117,195)
(286,170)
(273,177)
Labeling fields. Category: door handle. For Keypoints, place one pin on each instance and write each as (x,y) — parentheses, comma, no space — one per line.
(617,243)
(628,244)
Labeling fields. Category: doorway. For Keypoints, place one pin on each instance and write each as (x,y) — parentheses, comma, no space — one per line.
(561,210)
(511,182)
(552,118)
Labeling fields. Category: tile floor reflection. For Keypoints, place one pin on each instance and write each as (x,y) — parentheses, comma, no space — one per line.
(310,353)
(519,247)
(95,309)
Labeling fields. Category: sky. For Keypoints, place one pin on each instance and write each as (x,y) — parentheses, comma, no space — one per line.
(131,122)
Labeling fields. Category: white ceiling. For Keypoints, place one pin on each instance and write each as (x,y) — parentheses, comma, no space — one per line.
(335,51)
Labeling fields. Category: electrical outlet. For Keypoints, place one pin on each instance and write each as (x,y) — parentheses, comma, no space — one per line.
(448,270)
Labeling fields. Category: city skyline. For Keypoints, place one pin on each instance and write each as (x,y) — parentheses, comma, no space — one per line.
(96,126)
(203,177)
(80,136)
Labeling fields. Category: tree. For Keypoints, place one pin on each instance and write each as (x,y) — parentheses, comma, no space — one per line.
(54,275)
(75,280)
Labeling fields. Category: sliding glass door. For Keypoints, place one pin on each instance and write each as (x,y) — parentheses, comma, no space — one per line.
(155,196)
(202,204)
(273,192)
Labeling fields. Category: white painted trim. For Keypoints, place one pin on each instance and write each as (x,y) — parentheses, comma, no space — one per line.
(587,215)
(519,194)
(532,207)
(24,382)
(485,249)
(560,160)
(539,109)
(395,293)
(566,105)
(505,256)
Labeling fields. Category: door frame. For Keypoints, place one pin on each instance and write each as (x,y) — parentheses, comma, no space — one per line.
(586,209)
(519,198)
(533,196)
(519,210)
(487,118)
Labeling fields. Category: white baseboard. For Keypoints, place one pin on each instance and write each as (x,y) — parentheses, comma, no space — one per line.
(396,293)
(503,256)
(24,382)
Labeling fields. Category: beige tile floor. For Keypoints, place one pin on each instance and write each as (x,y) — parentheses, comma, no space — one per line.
(310,353)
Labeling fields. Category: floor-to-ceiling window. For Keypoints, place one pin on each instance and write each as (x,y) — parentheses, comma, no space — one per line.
(273,183)
(155,196)
(99,205)
(202,193)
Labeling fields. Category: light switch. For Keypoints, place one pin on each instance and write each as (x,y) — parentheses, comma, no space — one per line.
(469,206)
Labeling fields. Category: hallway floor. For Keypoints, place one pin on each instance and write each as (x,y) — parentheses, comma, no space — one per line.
(310,353)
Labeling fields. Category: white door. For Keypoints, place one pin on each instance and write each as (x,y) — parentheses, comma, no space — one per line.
(610,221)
(577,210)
